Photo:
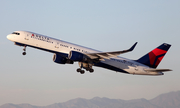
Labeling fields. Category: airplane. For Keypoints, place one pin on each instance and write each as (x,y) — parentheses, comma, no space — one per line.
(68,53)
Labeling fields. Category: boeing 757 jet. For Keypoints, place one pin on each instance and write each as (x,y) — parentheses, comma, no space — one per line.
(68,53)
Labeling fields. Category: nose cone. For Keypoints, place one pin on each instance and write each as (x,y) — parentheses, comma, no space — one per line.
(8,36)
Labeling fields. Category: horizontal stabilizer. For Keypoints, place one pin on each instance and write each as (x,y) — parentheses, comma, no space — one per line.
(157,70)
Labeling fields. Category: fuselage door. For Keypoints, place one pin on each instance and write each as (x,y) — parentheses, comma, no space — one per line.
(57,44)
(27,36)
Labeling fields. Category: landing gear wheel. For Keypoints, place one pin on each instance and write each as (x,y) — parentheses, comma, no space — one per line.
(24,49)
(91,70)
(82,71)
(24,53)
(78,70)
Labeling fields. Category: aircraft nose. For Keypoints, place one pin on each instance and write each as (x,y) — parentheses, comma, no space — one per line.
(9,37)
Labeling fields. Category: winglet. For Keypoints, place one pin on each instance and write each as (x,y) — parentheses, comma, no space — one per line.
(132,48)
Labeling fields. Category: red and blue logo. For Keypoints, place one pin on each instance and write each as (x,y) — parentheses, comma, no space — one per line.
(153,58)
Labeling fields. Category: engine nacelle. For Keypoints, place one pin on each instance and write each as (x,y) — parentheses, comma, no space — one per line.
(77,56)
(59,59)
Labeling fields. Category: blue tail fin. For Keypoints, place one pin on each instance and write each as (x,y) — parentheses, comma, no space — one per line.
(153,58)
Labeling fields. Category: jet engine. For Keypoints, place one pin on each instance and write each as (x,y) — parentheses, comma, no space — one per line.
(77,56)
(59,59)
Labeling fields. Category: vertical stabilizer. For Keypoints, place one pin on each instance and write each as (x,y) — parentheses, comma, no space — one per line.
(153,58)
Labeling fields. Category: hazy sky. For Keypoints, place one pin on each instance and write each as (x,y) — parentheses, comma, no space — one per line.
(105,25)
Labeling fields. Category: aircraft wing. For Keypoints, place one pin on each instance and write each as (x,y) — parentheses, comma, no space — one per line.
(157,70)
(108,55)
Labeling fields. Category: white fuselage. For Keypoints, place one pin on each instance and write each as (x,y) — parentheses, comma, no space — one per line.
(55,45)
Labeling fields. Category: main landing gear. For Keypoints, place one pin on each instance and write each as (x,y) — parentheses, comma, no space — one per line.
(87,66)
(24,49)
(80,70)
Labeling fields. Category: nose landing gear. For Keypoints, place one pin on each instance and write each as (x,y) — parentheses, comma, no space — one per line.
(24,49)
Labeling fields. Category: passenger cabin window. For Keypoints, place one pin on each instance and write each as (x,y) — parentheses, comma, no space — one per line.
(16,33)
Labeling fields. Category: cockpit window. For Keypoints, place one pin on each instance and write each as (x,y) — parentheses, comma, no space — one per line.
(16,33)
